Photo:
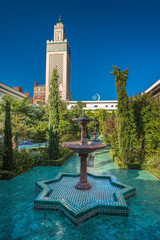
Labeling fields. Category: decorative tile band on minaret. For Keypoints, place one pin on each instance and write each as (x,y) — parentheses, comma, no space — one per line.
(58,55)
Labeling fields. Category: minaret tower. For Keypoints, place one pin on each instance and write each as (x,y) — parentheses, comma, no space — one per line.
(58,56)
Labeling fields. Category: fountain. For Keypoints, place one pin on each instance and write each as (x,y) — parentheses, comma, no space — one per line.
(83,147)
(102,194)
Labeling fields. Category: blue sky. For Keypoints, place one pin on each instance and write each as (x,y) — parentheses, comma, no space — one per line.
(100,34)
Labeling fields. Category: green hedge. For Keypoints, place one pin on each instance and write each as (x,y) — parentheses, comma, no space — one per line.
(58,162)
(26,159)
(130,165)
(150,164)
(7,175)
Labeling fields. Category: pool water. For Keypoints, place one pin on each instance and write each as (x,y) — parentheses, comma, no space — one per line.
(19,220)
(34,145)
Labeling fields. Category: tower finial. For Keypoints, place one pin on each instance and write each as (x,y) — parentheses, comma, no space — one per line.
(59,17)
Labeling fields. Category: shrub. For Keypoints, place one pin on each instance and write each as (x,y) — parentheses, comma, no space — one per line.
(135,161)
(153,160)
(64,154)
(8,161)
(25,160)
(1,153)
(6,175)
(39,149)
(35,156)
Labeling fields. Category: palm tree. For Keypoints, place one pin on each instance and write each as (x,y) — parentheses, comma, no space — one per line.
(22,116)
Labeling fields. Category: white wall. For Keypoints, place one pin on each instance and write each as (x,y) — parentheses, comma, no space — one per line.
(4,89)
(93,105)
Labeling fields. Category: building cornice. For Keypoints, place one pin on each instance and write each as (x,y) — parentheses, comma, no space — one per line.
(153,86)
(51,42)
(13,91)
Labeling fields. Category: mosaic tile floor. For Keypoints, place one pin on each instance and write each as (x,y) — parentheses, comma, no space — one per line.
(106,196)
(19,220)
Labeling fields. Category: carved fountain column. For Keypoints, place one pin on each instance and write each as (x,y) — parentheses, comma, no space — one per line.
(83,183)
(83,133)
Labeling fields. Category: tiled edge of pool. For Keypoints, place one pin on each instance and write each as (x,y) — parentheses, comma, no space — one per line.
(79,214)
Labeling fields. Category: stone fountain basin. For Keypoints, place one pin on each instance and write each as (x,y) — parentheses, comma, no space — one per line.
(82,120)
(83,149)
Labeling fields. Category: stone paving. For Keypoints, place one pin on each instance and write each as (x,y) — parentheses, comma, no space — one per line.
(19,220)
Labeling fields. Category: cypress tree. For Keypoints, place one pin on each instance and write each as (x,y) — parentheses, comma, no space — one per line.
(123,126)
(54,117)
(8,163)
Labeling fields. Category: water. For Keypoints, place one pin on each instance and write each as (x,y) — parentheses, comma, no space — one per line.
(29,146)
(18,219)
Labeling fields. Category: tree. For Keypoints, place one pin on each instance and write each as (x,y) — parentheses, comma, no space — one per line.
(39,125)
(123,126)
(110,133)
(54,101)
(23,116)
(137,106)
(100,116)
(144,121)
(8,163)
(151,124)
(68,129)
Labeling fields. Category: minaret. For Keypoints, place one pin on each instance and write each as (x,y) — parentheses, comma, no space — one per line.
(58,55)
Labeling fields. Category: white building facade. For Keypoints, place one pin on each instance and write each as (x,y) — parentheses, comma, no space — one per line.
(6,90)
(93,105)
(58,55)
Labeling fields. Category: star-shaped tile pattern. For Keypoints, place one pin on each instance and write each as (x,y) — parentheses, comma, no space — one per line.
(106,196)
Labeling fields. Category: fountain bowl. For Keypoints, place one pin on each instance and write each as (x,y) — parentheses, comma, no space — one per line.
(83,148)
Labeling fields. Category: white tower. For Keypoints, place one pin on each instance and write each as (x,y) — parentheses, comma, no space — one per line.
(58,56)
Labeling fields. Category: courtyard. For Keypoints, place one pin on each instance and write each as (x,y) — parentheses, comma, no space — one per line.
(19,220)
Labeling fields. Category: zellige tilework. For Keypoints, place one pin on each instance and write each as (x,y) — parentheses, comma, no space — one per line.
(105,196)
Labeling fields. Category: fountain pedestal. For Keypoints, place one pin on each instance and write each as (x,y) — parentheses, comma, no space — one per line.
(83,184)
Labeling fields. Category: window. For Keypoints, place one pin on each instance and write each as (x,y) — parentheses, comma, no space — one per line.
(95,105)
(106,105)
(111,105)
(116,106)
(37,95)
(39,89)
